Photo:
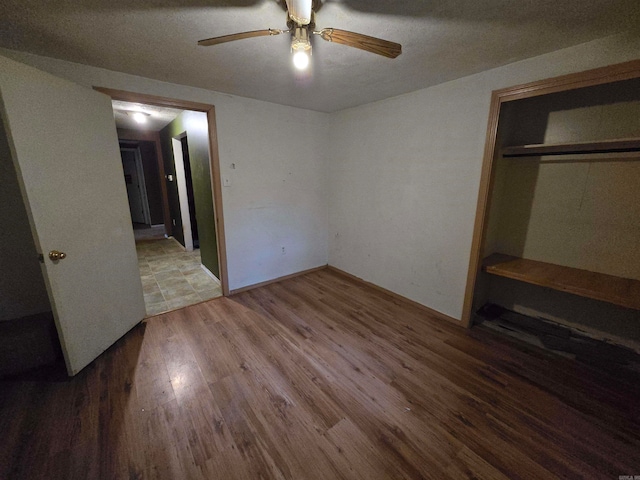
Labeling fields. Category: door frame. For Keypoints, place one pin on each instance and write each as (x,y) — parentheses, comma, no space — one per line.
(214,159)
(589,78)
(183,194)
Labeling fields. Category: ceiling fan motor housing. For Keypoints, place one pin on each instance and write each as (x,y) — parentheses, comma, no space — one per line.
(300,11)
(300,41)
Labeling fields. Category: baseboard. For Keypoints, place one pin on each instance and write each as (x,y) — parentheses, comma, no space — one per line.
(275,280)
(430,311)
(210,273)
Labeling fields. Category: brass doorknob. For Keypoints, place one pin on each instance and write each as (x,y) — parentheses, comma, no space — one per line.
(56,255)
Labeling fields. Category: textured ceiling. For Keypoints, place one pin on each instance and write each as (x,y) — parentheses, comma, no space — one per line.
(157,117)
(442,40)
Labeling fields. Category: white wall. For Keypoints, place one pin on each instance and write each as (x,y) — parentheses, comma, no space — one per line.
(405,173)
(278,189)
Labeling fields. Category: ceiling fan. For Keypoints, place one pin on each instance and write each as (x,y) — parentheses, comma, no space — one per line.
(301,25)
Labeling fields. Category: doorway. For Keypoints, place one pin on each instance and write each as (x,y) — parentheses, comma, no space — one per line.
(181,269)
(144,184)
(136,185)
(176,270)
(176,158)
(186,197)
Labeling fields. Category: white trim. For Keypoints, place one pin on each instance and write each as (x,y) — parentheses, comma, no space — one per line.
(182,193)
(208,272)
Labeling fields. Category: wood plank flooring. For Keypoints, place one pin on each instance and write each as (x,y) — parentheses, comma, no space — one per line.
(319,377)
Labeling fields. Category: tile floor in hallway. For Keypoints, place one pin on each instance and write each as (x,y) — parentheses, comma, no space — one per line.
(171,277)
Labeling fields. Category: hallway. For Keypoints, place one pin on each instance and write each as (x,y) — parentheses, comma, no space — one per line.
(171,277)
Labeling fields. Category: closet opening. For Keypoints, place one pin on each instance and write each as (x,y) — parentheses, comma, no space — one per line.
(555,260)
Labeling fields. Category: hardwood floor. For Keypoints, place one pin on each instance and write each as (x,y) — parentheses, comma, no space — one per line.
(319,377)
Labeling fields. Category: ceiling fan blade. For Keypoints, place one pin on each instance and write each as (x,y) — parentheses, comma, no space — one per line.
(240,36)
(363,42)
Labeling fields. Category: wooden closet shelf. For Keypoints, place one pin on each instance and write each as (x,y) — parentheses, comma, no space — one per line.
(624,145)
(599,286)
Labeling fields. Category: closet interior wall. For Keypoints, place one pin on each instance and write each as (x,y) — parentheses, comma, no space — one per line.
(580,211)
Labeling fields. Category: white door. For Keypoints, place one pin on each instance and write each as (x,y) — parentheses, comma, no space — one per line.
(65,149)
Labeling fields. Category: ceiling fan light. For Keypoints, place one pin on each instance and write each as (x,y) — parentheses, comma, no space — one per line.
(300,11)
(301,48)
(301,60)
